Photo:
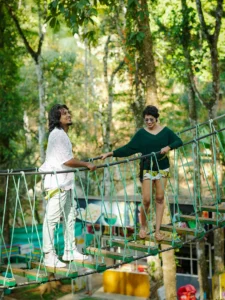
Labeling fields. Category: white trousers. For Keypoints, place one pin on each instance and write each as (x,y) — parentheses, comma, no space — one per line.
(61,204)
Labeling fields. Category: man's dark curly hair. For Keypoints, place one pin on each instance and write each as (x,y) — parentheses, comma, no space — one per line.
(151,110)
(54,116)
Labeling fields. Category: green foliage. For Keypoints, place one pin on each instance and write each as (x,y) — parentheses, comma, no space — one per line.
(135,38)
(152,269)
(68,80)
(11,121)
(75,13)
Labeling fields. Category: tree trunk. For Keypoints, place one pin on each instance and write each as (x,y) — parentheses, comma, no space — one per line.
(6,139)
(109,83)
(202,271)
(202,263)
(136,95)
(192,110)
(42,121)
(212,40)
(155,276)
(169,273)
(139,59)
(146,54)
(27,130)
(211,104)
(138,105)
(165,275)
(169,263)
(36,56)
(218,260)
(218,233)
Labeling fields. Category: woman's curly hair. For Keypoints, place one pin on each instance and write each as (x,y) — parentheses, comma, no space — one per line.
(54,116)
(151,110)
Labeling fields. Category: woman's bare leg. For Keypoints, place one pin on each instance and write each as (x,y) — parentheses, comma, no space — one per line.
(160,185)
(147,186)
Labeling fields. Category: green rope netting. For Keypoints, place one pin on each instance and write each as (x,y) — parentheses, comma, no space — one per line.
(108,216)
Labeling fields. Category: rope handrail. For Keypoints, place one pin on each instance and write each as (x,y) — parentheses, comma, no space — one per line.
(99,157)
(5,172)
(201,124)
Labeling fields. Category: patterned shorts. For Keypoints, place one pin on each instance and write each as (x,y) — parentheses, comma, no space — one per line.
(154,175)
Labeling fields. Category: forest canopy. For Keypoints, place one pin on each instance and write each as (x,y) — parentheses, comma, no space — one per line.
(105,60)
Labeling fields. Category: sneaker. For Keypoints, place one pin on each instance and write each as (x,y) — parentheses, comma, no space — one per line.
(51,260)
(73,255)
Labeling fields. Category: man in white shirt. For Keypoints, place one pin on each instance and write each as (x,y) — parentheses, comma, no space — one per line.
(59,188)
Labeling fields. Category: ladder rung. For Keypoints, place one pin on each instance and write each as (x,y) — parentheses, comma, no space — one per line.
(213,209)
(201,219)
(94,265)
(29,273)
(7,281)
(36,275)
(179,230)
(60,271)
(135,246)
(16,271)
(106,253)
(166,240)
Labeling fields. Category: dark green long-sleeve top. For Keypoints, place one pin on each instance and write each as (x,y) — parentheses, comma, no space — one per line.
(144,142)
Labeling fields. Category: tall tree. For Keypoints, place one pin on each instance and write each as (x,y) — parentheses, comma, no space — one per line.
(185,38)
(36,56)
(109,85)
(186,43)
(11,121)
(82,12)
(146,55)
(139,40)
(211,35)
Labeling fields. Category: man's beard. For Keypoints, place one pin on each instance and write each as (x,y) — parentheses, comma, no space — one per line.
(69,124)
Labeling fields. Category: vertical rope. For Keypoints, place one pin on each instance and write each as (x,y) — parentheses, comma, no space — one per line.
(33,221)
(214,161)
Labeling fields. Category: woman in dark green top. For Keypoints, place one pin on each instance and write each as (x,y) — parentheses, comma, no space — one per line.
(152,138)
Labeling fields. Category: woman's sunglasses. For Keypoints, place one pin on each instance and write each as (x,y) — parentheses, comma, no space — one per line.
(149,120)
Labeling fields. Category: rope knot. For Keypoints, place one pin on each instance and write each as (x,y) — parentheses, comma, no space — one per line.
(154,154)
(195,141)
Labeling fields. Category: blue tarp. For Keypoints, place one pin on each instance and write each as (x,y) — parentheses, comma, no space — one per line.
(33,235)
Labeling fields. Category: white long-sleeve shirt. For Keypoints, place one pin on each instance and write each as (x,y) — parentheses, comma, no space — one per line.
(58,152)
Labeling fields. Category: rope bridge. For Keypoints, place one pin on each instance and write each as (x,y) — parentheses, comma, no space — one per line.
(108,221)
